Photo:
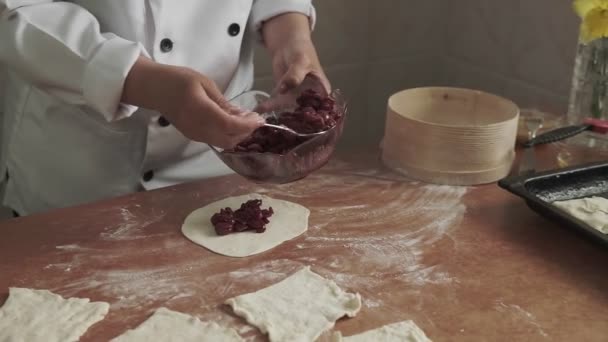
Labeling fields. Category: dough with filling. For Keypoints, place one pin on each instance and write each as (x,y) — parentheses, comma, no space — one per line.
(288,221)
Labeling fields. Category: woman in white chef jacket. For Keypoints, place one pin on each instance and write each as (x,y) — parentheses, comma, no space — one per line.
(89,79)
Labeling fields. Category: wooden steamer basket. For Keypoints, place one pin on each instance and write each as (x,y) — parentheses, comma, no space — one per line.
(450,135)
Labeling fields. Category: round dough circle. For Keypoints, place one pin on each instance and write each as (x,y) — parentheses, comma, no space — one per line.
(288,221)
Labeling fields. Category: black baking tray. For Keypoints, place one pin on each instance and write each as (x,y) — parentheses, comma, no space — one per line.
(539,190)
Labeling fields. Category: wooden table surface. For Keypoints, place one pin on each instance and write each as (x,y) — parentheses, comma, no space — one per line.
(466,264)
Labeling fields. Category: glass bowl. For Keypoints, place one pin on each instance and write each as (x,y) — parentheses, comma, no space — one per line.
(294,165)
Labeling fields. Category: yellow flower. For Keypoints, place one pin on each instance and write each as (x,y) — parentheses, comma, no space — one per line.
(594,14)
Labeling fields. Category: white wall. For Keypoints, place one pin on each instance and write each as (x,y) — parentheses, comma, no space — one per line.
(2,78)
(520,49)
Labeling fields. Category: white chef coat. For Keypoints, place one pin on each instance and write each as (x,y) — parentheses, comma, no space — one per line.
(67,139)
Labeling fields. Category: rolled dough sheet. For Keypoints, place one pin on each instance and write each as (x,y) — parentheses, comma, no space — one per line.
(289,221)
(40,315)
(591,210)
(171,326)
(406,331)
(298,309)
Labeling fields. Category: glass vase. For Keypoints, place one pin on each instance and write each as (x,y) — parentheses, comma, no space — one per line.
(589,92)
(588,99)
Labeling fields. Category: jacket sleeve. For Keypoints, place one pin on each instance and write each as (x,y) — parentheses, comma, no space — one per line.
(266,9)
(59,48)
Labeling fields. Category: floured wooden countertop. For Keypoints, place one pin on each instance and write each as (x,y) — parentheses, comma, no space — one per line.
(466,264)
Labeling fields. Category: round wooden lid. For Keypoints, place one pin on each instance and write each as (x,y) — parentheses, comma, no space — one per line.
(450,135)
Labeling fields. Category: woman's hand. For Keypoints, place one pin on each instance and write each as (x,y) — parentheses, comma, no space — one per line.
(293,62)
(190,101)
(294,56)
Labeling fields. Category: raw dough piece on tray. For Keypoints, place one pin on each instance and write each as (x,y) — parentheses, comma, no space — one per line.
(40,315)
(298,309)
(591,210)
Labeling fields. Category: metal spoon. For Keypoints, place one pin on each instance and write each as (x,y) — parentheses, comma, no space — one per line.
(287,129)
(263,98)
(278,101)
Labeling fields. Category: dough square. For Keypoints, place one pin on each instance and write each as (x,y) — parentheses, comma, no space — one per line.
(299,308)
(288,221)
(395,332)
(40,315)
(172,326)
(591,210)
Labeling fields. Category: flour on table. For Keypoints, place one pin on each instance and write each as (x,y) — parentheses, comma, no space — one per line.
(591,210)
(168,325)
(298,309)
(288,221)
(395,332)
(40,315)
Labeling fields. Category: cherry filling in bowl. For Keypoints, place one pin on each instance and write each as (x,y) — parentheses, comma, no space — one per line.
(250,216)
(278,157)
(314,113)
